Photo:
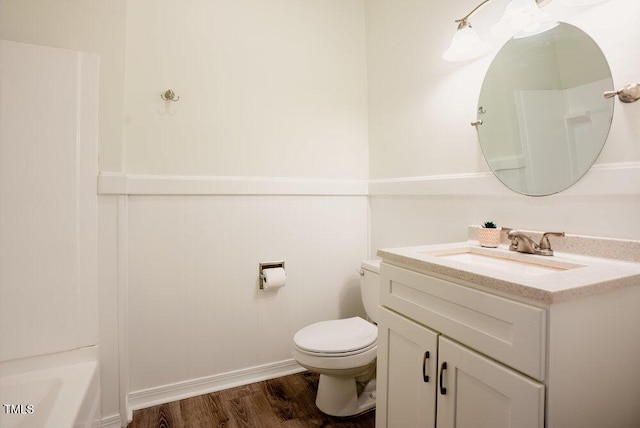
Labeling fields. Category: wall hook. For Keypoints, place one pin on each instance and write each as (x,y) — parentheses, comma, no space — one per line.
(169,95)
(627,94)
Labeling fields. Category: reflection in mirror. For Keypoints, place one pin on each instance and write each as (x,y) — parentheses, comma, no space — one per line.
(544,119)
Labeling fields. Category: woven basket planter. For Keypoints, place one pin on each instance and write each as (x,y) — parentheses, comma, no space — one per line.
(489,237)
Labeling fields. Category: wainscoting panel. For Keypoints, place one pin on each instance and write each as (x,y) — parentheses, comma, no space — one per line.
(194,305)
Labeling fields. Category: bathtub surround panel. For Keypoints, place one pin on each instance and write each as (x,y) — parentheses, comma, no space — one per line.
(195,310)
(48,201)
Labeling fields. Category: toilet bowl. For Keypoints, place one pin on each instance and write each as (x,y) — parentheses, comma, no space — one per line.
(343,352)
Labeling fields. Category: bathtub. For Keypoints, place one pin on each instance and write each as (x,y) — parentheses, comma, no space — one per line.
(60,390)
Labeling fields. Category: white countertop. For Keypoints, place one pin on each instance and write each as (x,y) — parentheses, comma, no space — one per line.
(546,279)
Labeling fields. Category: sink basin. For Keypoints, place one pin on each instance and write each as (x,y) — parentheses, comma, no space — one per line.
(500,260)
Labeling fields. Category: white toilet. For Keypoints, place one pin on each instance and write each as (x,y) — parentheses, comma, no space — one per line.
(343,352)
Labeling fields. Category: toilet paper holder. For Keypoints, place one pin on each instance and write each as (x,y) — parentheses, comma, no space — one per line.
(268,265)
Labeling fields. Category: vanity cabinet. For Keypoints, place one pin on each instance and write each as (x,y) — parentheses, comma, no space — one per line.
(422,373)
(454,354)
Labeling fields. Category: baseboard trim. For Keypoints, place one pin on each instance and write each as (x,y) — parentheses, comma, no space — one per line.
(112,421)
(191,388)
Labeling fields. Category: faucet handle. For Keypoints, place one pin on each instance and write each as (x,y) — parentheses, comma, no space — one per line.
(514,234)
(544,241)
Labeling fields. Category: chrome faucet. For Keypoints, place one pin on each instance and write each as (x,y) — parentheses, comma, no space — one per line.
(524,244)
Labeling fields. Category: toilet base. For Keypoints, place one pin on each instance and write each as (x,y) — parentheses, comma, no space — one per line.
(338,396)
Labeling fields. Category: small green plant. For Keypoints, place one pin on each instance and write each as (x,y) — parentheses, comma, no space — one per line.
(489,225)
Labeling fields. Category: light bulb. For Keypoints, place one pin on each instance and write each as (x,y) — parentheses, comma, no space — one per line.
(465,45)
(518,15)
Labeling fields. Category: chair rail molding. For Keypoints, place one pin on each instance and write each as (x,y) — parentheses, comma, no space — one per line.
(602,179)
(136,184)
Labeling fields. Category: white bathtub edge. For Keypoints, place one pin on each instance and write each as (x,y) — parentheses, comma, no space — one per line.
(40,362)
(76,402)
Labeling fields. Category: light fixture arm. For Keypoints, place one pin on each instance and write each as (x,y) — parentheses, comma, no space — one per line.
(467,45)
(462,22)
(628,94)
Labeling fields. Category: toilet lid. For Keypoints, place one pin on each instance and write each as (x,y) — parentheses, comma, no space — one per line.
(336,336)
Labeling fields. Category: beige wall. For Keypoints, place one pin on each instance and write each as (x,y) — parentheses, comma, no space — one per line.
(267,88)
(420,106)
(274,89)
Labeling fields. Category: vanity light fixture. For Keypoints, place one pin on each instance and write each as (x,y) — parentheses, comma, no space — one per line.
(522,15)
(466,44)
(628,94)
(518,15)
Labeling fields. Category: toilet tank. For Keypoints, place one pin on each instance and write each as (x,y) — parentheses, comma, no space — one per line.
(369,287)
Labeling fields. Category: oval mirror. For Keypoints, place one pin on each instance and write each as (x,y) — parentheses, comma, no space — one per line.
(544,117)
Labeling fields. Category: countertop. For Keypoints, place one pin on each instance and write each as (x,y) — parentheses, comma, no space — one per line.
(577,276)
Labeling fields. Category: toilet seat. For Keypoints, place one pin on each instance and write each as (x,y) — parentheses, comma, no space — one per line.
(337,338)
(336,354)
(344,344)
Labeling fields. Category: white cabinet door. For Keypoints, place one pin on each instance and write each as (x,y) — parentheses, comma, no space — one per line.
(476,392)
(406,378)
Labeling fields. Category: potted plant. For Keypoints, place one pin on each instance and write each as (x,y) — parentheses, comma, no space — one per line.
(489,234)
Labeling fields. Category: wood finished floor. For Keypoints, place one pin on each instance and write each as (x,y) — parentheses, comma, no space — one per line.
(287,401)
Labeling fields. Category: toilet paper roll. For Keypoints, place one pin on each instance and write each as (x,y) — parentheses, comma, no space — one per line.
(273,278)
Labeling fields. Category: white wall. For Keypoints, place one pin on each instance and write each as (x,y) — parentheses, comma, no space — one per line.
(267,89)
(429,179)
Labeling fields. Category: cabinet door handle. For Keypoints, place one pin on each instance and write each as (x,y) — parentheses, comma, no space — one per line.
(425,374)
(443,367)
